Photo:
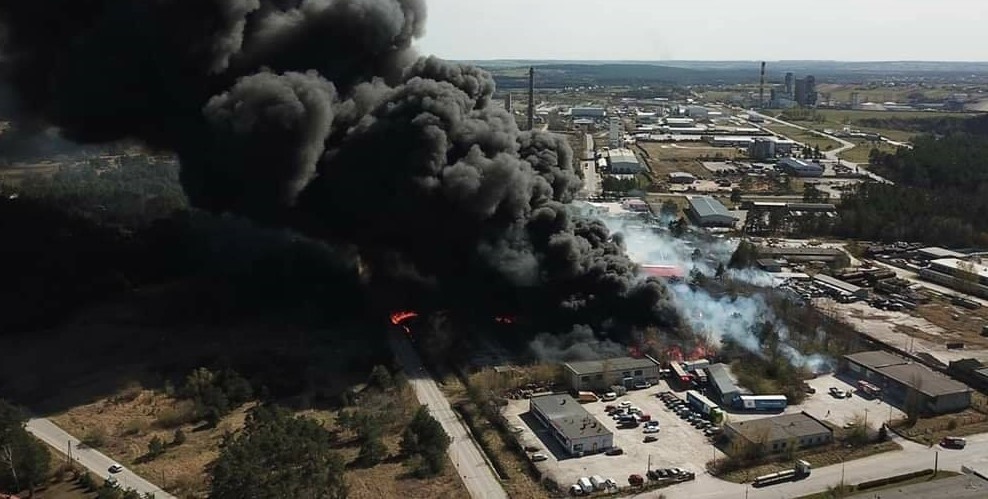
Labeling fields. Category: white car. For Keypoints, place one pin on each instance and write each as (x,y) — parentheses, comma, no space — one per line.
(609,396)
(624,403)
(651,429)
(115,468)
(538,456)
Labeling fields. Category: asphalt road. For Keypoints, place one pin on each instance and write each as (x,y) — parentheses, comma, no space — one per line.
(477,475)
(92,459)
(913,457)
(832,154)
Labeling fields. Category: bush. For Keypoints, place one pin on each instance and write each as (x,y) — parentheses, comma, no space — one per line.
(135,427)
(87,481)
(179,438)
(952,424)
(95,437)
(156,447)
(182,414)
(372,451)
(129,393)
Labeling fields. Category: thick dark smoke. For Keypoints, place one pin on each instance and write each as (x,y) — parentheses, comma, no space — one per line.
(318,114)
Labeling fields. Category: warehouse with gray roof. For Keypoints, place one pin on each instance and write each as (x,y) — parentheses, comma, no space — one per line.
(722,384)
(570,424)
(706,211)
(779,433)
(602,374)
(908,383)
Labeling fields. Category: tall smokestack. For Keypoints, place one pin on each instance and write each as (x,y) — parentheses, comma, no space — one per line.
(531,98)
(761,88)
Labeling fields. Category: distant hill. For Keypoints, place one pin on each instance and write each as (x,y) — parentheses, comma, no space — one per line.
(512,73)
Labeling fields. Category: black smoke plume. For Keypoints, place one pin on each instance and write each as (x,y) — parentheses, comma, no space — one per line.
(318,114)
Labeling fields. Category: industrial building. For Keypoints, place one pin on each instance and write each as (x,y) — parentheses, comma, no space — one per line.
(588,112)
(602,374)
(570,424)
(681,178)
(623,162)
(679,122)
(839,289)
(729,140)
(912,385)
(722,384)
(805,209)
(967,276)
(762,149)
(810,254)
(779,433)
(800,168)
(706,211)
(936,253)
(805,91)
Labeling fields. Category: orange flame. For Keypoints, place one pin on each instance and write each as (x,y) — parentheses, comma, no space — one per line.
(397,318)
(402,316)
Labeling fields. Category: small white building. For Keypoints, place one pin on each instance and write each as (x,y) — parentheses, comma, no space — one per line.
(571,425)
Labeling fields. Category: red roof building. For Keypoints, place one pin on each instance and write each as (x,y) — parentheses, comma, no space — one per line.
(664,271)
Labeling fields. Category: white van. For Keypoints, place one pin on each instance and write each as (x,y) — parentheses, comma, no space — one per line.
(585,484)
(598,482)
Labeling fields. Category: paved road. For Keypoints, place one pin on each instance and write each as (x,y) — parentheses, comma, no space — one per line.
(591,178)
(832,154)
(469,462)
(913,457)
(92,459)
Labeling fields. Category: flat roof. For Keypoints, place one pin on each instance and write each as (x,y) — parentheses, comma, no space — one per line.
(585,367)
(706,206)
(967,266)
(837,283)
(908,373)
(682,174)
(721,378)
(785,427)
(568,417)
(875,359)
(937,252)
(923,379)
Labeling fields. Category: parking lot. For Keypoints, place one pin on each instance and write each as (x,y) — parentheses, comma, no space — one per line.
(678,444)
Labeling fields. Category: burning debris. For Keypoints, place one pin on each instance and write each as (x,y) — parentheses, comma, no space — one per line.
(319,116)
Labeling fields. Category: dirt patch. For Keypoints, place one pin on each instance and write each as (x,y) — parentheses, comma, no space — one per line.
(127,426)
(959,324)
(128,423)
(816,457)
(929,431)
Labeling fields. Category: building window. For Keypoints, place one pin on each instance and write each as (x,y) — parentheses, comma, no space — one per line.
(584,378)
(578,448)
(626,374)
(638,372)
(775,446)
(598,377)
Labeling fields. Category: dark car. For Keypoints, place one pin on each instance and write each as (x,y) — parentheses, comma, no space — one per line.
(614,451)
(531,448)
(649,438)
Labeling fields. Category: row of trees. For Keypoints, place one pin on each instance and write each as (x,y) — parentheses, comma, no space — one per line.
(24,461)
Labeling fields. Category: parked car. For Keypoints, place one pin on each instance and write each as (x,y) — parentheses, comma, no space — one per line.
(953,443)
(609,396)
(641,385)
(115,468)
(614,451)
(650,438)
(575,490)
(636,480)
(538,456)
(836,392)
(624,403)
(531,448)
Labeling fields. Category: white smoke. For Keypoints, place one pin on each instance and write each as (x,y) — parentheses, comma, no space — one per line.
(711,316)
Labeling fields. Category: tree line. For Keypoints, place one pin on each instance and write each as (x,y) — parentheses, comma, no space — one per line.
(940,194)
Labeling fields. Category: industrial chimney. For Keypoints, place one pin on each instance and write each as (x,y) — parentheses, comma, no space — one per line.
(761,88)
(531,98)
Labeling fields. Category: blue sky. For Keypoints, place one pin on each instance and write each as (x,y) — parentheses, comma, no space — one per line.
(853,30)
